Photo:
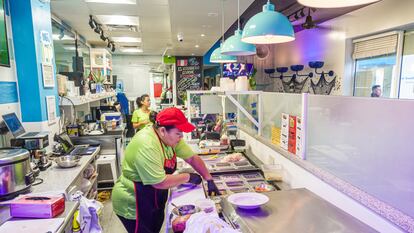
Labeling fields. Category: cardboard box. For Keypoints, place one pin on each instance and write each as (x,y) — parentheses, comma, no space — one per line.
(284,131)
(292,135)
(299,140)
(37,207)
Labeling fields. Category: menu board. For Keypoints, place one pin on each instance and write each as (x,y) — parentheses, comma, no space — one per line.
(188,76)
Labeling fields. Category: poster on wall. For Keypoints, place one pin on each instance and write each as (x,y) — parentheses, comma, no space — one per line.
(188,76)
(4,49)
(47,56)
(51,109)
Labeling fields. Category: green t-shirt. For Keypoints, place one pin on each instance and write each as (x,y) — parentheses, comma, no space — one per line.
(140,116)
(144,162)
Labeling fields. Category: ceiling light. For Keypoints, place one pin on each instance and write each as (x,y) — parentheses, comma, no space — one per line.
(113,48)
(127,39)
(59,37)
(216,56)
(234,46)
(202,35)
(92,22)
(103,37)
(334,4)
(192,54)
(98,29)
(197,46)
(268,27)
(71,48)
(131,50)
(118,20)
(302,14)
(296,16)
(113,1)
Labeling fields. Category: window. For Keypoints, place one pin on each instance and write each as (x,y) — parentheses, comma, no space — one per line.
(407,68)
(375,64)
(375,71)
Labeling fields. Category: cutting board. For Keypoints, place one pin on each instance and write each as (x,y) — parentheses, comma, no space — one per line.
(32,225)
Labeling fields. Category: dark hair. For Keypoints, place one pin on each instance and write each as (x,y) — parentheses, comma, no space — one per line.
(153,119)
(116,103)
(140,99)
(375,87)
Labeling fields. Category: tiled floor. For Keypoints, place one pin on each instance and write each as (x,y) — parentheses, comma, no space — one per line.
(109,221)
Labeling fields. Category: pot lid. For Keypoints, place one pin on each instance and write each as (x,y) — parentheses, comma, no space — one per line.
(12,155)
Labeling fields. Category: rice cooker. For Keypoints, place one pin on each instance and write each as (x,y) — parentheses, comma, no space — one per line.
(16,175)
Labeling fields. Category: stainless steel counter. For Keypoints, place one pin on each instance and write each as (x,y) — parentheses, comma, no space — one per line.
(295,210)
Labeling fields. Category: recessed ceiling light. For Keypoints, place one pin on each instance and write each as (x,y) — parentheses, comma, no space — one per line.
(192,54)
(114,1)
(197,46)
(118,20)
(127,39)
(71,48)
(206,26)
(202,35)
(131,50)
(212,14)
(60,37)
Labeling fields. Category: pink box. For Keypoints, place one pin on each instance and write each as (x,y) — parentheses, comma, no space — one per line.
(37,206)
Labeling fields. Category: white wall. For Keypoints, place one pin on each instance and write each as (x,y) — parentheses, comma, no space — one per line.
(331,45)
(298,177)
(134,71)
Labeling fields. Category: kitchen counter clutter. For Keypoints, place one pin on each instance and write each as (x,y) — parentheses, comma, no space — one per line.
(54,181)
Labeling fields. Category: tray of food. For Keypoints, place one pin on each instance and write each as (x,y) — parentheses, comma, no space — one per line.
(223,162)
(242,182)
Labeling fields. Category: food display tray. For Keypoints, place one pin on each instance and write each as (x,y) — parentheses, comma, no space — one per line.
(236,183)
(215,165)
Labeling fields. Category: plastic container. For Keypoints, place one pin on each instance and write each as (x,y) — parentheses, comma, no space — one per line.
(206,205)
(273,172)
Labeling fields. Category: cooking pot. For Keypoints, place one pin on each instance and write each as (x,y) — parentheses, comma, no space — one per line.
(16,175)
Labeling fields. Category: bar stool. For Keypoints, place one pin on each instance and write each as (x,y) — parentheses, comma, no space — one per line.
(111,160)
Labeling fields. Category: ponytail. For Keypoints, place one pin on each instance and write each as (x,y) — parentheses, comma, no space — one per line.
(140,99)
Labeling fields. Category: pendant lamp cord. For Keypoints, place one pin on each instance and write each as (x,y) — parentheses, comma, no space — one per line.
(222,21)
(238,14)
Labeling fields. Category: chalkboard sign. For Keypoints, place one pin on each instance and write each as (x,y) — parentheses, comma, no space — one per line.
(188,76)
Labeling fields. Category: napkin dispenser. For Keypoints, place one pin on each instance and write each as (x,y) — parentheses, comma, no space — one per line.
(37,206)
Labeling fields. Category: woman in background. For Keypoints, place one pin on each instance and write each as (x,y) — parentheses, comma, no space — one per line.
(140,117)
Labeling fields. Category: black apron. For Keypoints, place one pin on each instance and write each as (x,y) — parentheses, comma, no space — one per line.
(150,202)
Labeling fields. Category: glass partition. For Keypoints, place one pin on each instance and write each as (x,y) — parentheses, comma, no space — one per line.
(274,104)
(85,53)
(366,142)
(250,102)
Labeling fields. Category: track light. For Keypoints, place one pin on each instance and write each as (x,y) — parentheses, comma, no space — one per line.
(113,48)
(92,22)
(98,29)
(302,14)
(103,37)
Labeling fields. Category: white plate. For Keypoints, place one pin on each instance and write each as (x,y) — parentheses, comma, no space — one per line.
(248,200)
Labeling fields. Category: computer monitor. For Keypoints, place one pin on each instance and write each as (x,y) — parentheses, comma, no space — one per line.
(13,124)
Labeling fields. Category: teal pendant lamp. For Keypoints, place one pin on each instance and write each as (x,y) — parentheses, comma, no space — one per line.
(268,27)
(216,55)
(234,46)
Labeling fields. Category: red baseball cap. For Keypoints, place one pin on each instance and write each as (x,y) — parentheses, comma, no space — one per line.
(174,116)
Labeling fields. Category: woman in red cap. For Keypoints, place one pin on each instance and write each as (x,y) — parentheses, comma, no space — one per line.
(140,194)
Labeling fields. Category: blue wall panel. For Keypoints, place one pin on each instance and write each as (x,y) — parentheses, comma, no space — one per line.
(8,93)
